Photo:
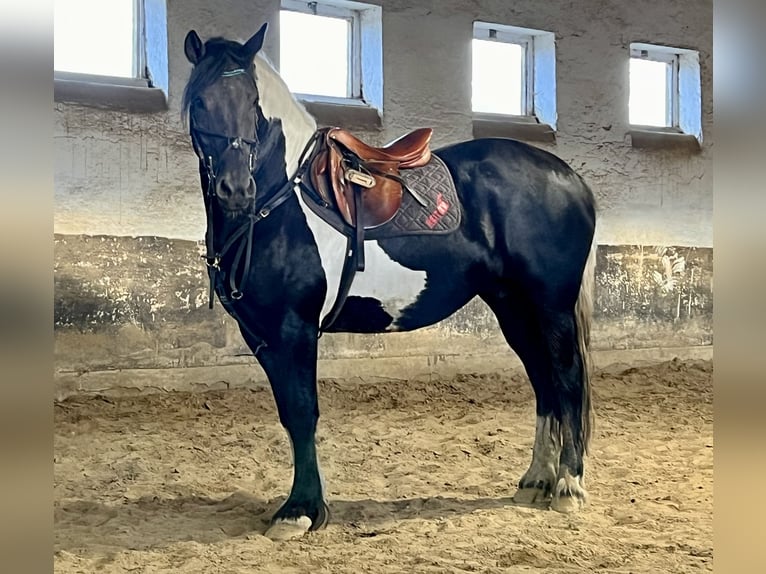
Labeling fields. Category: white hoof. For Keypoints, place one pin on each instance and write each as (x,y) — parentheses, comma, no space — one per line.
(569,496)
(566,504)
(289,529)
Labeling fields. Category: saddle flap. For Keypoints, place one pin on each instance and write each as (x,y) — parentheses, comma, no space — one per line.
(379,202)
(324,172)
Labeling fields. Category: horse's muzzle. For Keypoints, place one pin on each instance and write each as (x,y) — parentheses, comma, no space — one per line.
(233,197)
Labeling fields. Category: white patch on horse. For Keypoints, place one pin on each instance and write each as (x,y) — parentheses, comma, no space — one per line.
(570,494)
(298,126)
(544,467)
(391,283)
(332,249)
(394,285)
(278,102)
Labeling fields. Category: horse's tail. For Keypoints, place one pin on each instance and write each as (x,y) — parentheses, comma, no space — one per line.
(583,314)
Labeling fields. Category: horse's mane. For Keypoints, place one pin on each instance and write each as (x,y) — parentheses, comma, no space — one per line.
(277,101)
(218,53)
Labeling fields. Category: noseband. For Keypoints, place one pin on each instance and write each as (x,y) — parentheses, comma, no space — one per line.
(232,142)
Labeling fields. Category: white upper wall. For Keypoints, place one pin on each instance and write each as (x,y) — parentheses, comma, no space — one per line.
(118,173)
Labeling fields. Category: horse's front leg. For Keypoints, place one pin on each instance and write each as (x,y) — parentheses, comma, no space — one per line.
(289,361)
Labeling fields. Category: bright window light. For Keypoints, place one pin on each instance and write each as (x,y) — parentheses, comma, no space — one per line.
(314,54)
(498,77)
(94,37)
(649,102)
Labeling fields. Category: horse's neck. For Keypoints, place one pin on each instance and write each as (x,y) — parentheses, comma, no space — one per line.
(277,102)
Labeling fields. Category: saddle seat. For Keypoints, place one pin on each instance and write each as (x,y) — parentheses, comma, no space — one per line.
(359,179)
(410,150)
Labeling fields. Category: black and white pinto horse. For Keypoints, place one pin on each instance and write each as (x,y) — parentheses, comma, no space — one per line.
(524,246)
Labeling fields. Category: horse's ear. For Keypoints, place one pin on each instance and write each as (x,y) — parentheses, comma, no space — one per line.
(254,44)
(193,47)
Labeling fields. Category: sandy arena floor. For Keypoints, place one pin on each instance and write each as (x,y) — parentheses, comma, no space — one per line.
(419,474)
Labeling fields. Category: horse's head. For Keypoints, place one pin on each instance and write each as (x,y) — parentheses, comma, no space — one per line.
(221,98)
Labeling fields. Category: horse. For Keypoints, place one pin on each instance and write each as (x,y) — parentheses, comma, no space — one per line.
(524,245)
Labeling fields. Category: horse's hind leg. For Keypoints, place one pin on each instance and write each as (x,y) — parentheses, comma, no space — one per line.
(546,342)
(571,400)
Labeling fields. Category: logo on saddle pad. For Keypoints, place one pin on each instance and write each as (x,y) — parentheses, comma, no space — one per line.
(442,207)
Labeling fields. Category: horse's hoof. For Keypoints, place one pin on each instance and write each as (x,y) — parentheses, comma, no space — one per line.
(570,496)
(289,529)
(566,504)
(530,496)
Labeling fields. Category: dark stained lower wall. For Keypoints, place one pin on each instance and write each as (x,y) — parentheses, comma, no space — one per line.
(141,303)
(653,296)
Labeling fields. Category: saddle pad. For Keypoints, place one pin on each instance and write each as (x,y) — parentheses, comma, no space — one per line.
(442,214)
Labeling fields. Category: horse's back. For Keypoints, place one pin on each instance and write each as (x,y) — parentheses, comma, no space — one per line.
(501,164)
(523,189)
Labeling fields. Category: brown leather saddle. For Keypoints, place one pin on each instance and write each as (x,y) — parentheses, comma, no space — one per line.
(361,181)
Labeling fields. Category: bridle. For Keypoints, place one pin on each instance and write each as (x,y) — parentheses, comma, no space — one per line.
(243,235)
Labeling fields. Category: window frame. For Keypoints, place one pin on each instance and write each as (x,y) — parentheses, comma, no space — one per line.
(538,98)
(139,41)
(364,107)
(354,63)
(505,35)
(138,59)
(147,90)
(672,98)
(683,96)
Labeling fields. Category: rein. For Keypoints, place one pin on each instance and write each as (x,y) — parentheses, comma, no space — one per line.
(243,236)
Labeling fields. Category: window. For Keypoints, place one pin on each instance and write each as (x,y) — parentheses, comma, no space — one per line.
(514,72)
(103,46)
(665,89)
(332,50)
(499,77)
(98,37)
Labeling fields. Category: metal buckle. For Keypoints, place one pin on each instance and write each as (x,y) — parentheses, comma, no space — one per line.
(360,178)
(236,294)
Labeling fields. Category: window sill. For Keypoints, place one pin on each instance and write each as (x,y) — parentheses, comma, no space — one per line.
(526,128)
(663,138)
(348,113)
(105,92)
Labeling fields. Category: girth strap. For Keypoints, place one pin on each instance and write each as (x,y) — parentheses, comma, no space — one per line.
(350,266)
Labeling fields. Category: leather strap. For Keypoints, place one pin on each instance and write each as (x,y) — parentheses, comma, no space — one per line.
(244,234)
(359,234)
(348,272)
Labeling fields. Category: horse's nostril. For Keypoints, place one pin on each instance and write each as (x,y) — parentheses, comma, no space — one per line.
(224,190)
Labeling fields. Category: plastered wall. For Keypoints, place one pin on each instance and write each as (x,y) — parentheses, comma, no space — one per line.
(123,174)
(119,175)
